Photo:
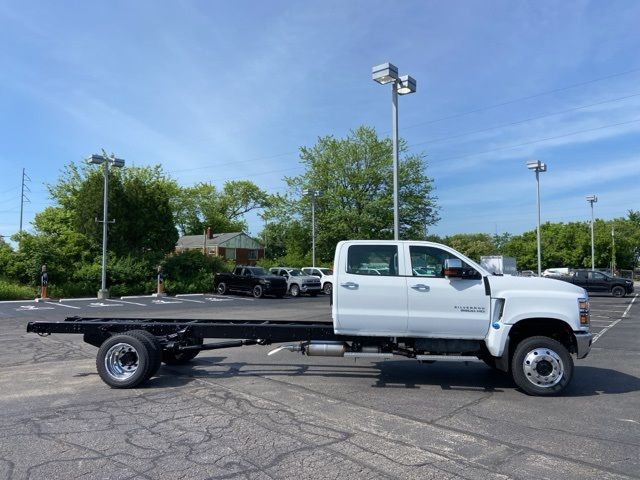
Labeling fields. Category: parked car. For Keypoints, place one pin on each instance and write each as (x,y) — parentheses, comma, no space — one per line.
(254,280)
(598,282)
(297,281)
(324,274)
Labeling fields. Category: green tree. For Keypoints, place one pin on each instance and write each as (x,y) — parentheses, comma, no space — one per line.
(473,245)
(354,176)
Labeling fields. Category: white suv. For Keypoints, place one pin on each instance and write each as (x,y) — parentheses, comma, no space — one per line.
(325,275)
(298,281)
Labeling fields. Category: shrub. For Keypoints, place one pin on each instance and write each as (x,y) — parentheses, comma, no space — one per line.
(14,291)
(191,272)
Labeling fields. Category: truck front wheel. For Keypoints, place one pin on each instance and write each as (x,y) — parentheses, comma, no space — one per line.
(618,292)
(294,290)
(541,366)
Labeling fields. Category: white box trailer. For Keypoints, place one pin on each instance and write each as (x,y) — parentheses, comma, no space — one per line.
(499,264)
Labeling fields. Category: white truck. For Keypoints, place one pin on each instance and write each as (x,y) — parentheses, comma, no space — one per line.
(429,303)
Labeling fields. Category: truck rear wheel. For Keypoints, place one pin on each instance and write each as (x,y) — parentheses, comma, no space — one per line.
(327,288)
(222,288)
(154,347)
(124,361)
(618,292)
(257,291)
(541,366)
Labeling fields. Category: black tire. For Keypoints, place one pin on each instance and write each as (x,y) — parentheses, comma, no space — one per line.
(327,288)
(257,291)
(124,361)
(294,291)
(222,288)
(155,349)
(541,366)
(618,291)
(170,357)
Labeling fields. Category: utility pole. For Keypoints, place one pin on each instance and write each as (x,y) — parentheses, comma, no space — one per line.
(613,249)
(23,197)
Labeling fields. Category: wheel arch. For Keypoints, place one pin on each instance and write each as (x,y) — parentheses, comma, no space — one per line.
(549,327)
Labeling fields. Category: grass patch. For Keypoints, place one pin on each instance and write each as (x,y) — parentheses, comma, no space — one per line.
(15,291)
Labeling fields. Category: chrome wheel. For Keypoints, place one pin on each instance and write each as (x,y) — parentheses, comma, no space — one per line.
(121,361)
(543,367)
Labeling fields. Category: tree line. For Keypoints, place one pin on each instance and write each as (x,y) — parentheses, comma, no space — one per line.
(353,180)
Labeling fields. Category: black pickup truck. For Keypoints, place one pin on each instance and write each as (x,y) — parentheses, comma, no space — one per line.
(598,282)
(254,280)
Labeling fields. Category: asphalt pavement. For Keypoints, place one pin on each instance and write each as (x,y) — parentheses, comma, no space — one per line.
(239,413)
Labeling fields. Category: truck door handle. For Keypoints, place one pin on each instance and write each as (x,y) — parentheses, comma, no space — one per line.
(351,285)
(421,287)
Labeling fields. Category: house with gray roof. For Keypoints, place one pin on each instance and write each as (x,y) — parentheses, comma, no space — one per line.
(237,247)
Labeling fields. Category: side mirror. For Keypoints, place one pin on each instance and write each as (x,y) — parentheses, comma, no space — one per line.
(453,268)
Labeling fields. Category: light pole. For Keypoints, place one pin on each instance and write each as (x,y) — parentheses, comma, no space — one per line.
(313,194)
(116,162)
(384,74)
(537,166)
(592,199)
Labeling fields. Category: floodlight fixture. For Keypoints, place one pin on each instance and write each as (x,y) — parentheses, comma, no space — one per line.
(537,166)
(384,73)
(592,199)
(406,85)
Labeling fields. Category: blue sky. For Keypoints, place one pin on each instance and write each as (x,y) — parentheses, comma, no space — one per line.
(215,90)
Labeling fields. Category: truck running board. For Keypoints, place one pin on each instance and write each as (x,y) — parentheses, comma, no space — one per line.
(447,358)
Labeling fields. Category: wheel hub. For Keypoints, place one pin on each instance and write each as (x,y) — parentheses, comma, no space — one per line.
(121,361)
(543,367)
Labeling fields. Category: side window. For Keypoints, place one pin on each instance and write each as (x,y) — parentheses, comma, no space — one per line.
(429,262)
(373,260)
(596,276)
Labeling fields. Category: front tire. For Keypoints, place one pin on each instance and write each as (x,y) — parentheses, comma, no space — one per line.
(258,291)
(222,288)
(618,292)
(124,361)
(328,288)
(541,366)
(294,290)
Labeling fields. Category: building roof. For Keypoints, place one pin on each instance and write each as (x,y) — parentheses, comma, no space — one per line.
(232,240)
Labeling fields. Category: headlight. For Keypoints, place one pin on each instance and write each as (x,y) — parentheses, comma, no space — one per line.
(583,307)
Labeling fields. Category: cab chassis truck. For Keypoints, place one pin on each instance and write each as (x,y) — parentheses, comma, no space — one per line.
(430,303)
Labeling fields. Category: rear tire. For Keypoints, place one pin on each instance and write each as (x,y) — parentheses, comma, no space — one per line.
(328,288)
(124,361)
(222,288)
(618,292)
(154,347)
(257,291)
(541,366)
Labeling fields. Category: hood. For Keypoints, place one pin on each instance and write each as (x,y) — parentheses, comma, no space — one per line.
(510,283)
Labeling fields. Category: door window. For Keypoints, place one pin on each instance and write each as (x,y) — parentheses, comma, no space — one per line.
(379,260)
(429,262)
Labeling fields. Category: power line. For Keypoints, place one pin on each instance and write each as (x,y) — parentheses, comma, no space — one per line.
(520,99)
(519,122)
(540,140)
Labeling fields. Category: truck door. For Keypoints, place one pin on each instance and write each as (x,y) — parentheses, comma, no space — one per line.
(444,307)
(369,300)
(598,282)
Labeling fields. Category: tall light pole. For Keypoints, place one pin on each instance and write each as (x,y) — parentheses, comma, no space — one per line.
(384,74)
(313,194)
(537,166)
(116,162)
(592,199)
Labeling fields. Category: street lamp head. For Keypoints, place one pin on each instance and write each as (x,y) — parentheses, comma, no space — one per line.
(384,73)
(537,166)
(406,85)
(592,199)
(117,162)
(96,160)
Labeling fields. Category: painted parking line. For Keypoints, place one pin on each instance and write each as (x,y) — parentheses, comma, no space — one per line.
(102,304)
(127,302)
(190,295)
(77,299)
(189,300)
(31,308)
(137,296)
(613,324)
(16,301)
(231,298)
(165,302)
(60,304)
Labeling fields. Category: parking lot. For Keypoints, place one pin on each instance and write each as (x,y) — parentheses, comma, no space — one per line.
(238,413)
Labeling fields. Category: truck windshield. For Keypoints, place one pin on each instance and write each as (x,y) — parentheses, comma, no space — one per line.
(326,271)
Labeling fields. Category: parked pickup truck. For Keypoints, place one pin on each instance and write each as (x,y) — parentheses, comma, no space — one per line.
(297,281)
(425,301)
(254,280)
(597,282)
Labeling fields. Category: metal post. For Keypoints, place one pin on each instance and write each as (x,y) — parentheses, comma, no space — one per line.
(21,201)
(313,228)
(613,250)
(105,225)
(593,254)
(394,131)
(538,239)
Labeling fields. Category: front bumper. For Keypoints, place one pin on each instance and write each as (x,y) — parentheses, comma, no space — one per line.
(583,343)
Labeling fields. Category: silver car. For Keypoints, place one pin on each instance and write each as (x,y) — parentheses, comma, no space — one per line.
(298,282)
